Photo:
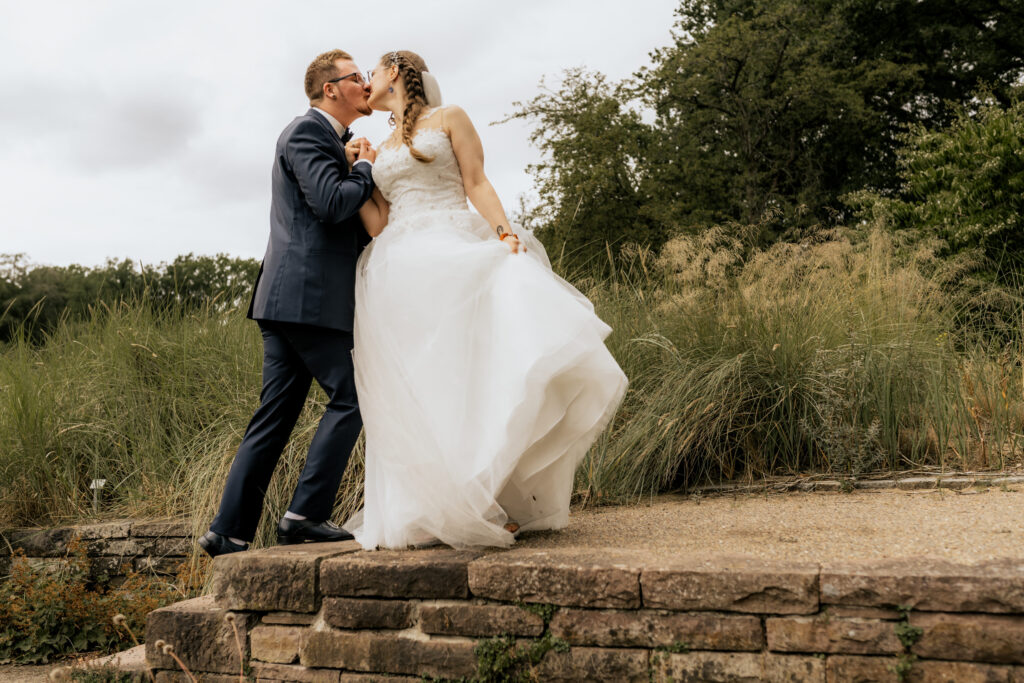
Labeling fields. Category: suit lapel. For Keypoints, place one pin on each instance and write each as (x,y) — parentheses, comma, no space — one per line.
(326,125)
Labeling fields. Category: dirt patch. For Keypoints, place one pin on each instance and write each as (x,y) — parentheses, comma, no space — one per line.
(13,673)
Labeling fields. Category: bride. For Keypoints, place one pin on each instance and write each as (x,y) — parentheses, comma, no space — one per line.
(482,376)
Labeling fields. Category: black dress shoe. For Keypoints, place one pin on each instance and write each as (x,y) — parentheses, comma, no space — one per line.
(290,531)
(215,544)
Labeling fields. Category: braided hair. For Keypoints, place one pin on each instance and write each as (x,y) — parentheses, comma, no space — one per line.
(410,68)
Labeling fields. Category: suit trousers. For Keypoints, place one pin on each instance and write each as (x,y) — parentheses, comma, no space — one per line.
(293,355)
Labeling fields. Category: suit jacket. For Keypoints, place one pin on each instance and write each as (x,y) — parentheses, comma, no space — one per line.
(308,272)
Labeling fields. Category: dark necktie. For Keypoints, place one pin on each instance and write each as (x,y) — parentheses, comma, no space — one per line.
(346,136)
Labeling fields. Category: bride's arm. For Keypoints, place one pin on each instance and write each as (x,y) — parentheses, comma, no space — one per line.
(469,152)
(374,213)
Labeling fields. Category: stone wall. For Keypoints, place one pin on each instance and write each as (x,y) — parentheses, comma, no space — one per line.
(331,613)
(114,548)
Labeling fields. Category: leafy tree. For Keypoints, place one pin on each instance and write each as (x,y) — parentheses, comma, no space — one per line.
(787,105)
(191,280)
(589,180)
(963,184)
(36,297)
(955,47)
(772,108)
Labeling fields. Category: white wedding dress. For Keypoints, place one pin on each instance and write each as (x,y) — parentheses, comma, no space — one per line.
(482,376)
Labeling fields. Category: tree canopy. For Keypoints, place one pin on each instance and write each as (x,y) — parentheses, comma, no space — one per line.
(760,107)
(33,298)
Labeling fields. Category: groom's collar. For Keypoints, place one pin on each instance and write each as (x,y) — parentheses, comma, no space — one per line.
(341,130)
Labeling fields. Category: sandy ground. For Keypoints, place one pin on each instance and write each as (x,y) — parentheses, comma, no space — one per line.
(135,657)
(968,526)
(26,674)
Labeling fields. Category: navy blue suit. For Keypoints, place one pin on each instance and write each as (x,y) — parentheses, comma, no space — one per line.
(303,302)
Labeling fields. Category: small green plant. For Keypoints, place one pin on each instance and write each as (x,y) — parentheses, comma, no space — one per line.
(678,647)
(505,659)
(908,636)
(902,667)
(545,611)
(498,659)
(658,655)
(653,662)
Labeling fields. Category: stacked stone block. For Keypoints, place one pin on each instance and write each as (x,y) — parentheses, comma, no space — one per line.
(329,612)
(114,548)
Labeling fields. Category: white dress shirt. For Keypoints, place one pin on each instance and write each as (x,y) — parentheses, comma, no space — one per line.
(340,130)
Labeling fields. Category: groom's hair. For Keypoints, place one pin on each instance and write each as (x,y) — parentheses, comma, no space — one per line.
(321,70)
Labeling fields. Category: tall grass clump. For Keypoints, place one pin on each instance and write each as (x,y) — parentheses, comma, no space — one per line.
(848,354)
(837,356)
(151,400)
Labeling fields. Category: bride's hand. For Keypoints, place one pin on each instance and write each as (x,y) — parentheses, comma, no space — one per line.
(366,151)
(514,244)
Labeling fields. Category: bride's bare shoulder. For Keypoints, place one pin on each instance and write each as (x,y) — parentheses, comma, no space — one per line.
(442,112)
(454,117)
(452,110)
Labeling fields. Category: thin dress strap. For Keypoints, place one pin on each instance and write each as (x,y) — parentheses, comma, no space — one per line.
(430,112)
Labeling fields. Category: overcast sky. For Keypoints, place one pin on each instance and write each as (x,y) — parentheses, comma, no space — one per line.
(145,130)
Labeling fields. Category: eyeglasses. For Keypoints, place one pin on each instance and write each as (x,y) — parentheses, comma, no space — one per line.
(358,78)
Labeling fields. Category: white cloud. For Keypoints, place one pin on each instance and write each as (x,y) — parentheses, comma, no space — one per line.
(145,131)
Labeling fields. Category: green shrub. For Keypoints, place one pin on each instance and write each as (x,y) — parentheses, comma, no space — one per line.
(963,185)
(34,299)
(48,613)
(836,356)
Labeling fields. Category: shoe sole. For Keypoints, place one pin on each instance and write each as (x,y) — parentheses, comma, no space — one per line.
(291,540)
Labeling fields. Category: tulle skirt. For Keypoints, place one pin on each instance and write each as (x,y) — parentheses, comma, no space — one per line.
(483,379)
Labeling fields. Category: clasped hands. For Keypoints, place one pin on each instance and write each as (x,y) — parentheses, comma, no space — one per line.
(359,148)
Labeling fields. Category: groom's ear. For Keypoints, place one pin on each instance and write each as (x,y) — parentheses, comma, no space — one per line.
(322,68)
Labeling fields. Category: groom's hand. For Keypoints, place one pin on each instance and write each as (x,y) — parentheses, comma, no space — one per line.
(352,149)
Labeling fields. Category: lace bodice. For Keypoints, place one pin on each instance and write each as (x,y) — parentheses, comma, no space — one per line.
(412,187)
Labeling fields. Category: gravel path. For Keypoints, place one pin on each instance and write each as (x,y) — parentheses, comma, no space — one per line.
(25,674)
(968,526)
(134,658)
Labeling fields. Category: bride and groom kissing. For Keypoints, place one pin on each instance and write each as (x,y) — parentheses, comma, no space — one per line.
(480,376)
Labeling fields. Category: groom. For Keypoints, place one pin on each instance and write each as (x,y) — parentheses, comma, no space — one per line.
(303,303)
